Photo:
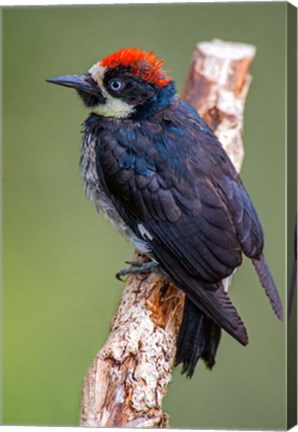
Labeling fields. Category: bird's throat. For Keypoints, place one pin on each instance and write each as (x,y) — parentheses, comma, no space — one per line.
(113,107)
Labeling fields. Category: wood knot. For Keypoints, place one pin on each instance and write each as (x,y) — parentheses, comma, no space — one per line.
(213,117)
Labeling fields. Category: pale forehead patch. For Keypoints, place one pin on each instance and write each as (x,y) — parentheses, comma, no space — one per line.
(97,72)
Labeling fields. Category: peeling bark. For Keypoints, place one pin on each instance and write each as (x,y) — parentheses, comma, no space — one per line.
(130,374)
(217,86)
(128,379)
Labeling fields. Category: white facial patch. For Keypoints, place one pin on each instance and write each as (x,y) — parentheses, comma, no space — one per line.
(97,72)
(113,107)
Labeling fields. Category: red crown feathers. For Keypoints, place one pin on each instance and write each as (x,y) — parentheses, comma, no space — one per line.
(143,64)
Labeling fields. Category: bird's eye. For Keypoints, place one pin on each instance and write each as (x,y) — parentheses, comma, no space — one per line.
(115,84)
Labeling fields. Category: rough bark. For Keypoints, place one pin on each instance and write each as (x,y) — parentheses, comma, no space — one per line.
(130,374)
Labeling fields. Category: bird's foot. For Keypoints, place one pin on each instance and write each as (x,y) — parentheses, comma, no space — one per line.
(140,267)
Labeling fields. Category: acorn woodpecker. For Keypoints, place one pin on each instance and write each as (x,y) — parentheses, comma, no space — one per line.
(155,169)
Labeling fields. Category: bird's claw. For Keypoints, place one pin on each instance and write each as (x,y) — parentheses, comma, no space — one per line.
(139,267)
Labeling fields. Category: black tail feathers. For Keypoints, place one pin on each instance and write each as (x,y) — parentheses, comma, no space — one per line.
(198,337)
(268,284)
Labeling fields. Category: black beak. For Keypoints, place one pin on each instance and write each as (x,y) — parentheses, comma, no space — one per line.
(79,82)
(84,84)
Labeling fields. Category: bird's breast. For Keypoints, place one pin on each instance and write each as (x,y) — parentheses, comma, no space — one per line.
(95,190)
(93,185)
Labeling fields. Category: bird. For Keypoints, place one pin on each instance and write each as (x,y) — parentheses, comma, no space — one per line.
(157,172)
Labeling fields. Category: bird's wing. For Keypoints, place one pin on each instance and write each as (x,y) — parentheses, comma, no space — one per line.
(191,208)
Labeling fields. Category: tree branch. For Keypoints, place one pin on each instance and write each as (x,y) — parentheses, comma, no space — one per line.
(130,374)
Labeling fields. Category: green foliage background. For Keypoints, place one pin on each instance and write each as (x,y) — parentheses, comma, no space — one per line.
(60,258)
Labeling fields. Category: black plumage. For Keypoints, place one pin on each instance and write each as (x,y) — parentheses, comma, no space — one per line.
(198,337)
(158,172)
(188,196)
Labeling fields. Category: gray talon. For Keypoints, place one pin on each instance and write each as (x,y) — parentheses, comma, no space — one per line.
(139,267)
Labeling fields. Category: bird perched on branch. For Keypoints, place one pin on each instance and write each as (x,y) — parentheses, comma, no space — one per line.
(155,169)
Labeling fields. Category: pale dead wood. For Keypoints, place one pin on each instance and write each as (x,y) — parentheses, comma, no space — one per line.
(128,379)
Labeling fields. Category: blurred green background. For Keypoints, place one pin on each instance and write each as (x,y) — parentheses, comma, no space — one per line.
(60,258)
